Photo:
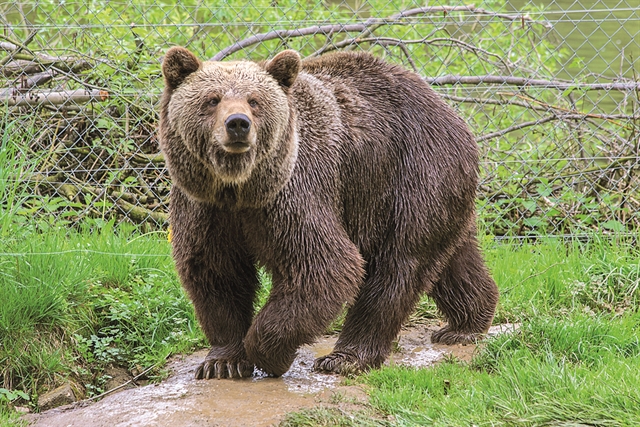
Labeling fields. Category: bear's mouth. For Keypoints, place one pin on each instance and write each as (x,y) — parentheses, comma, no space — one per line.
(233,161)
(236,147)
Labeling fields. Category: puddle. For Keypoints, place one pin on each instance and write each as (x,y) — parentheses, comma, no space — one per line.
(301,378)
(181,401)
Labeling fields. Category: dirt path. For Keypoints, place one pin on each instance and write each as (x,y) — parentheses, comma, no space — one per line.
(181,401)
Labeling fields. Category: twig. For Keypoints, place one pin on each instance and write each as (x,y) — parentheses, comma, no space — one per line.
(596,169)
(515,128)
(402,44)
(364,36)
(118,387)
(405,50)
(493,101)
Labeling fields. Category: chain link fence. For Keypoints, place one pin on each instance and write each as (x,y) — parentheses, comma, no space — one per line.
(551,92)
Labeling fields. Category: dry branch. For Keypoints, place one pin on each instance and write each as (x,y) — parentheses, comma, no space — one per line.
(532,104)
(515,128)
(37,79)
(331,29)
(20,66)
(523,81)
(13,97)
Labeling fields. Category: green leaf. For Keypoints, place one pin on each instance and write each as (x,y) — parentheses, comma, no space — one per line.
(613,225)
(534,222)
(530,205)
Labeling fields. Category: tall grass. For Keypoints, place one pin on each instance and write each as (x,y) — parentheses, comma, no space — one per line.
(14,168)
(554,277)
(77,301)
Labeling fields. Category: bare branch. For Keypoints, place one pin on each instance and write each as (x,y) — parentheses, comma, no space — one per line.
(562,117)
(515,128)
(37,79)
(328,30)
(362,38)
(406,52)
(523,81)
(494,101)
(389,41)
(20,66)
(538,107)
(528,124)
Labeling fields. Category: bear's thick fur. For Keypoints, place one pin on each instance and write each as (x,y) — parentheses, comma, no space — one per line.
(347,178)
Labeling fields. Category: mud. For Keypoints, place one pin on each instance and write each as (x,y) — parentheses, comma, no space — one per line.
(182,401)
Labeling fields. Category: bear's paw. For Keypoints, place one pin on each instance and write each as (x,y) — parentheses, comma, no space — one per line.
(223,367)
(341,363)
(450,336)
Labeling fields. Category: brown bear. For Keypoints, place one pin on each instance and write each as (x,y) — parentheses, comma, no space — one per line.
(347,178)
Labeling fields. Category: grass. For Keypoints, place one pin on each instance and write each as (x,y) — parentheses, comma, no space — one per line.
(574,361)
(76,302)
(331,417)
(550,373)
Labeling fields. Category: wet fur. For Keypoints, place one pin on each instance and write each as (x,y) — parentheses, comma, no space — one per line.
(360,192)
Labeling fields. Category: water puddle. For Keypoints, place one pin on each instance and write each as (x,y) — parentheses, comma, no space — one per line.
(181,401)
(301,378)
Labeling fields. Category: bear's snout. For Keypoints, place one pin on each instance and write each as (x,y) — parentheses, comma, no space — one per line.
(238,127)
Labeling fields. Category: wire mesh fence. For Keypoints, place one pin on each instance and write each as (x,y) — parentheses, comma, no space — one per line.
(551,92)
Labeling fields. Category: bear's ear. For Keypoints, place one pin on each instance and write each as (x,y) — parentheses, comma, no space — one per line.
(284,67)
(177,65)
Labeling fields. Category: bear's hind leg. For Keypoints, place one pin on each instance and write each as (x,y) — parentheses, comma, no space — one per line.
(389,294)
(466,295)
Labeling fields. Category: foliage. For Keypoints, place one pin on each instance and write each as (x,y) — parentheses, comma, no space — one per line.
(101,161)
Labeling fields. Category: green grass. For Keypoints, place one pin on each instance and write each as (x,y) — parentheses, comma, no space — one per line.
(75,302)
(574,361)
(330,417)
(551,372)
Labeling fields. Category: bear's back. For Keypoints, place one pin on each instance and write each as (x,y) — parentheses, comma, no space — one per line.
(407,161)
(391,105)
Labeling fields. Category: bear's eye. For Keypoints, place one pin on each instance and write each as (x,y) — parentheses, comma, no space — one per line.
(213,102)
(253,103)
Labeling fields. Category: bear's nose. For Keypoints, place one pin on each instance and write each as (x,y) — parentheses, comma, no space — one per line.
(238,126)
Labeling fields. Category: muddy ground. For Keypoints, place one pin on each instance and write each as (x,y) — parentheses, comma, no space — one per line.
(182,401)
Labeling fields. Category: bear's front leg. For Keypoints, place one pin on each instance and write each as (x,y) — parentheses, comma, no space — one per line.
(220,278)
(314,273)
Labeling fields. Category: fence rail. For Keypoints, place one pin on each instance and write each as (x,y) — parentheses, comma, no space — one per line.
(551,92)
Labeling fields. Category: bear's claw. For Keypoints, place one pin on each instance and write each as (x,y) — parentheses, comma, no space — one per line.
(339,363)
(448,336)
(223,369)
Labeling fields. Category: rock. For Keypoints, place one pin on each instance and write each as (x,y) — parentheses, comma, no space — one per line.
(62,395)
(117,377)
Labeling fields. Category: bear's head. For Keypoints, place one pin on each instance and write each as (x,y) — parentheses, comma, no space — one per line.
(228,124)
